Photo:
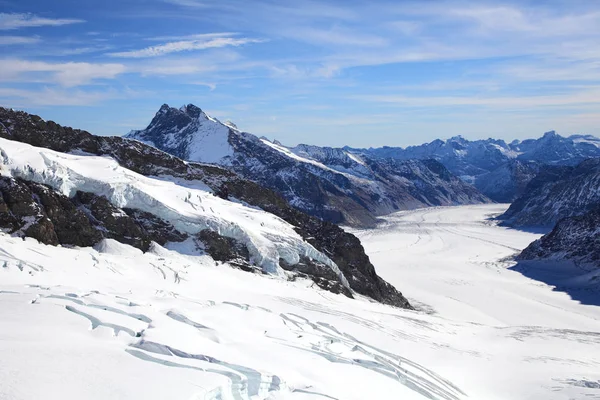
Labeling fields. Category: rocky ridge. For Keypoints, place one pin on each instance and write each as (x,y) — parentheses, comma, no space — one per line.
(330,183)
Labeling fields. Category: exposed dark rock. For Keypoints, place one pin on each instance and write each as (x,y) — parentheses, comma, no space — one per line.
(575,239)
(159,230)
(225,249)
(556,192)
(321,275)
(24,215)
(71,225)
(113,221)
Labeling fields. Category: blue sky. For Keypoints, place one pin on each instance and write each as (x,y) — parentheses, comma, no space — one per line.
(362,73)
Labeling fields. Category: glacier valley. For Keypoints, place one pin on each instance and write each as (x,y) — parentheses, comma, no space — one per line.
(113,322)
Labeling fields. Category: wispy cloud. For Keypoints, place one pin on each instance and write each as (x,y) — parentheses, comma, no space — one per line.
(53,97)
(10,40)
(66,74)
(20,20)
(184,45)
(196,36)
(585,96)
(187,3)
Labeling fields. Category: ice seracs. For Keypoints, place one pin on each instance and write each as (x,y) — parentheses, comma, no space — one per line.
(268,238)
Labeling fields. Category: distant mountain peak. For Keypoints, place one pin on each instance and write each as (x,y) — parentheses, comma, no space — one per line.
(189,133)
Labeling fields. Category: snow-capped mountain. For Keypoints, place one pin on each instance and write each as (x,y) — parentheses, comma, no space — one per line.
(490,164)
(507,180)
(331,183)
(77,189)
(557,192)
(575,239)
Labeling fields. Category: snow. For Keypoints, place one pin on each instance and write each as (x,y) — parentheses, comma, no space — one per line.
(78,323)
(189,209)
(210,142)
(289,153)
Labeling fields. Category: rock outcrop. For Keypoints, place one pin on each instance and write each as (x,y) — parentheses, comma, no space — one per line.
(575,239)
(555,193)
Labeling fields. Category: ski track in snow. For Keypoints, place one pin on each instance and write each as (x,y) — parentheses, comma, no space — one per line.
(100,325)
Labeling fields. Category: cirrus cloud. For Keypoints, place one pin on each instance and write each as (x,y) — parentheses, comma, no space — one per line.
(65,74)
(10,21)
(184,45)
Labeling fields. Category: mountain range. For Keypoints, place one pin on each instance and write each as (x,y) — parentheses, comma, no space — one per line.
(500,170)
(556,192)
(333,184)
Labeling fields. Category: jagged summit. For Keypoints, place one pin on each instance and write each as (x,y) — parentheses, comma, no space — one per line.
(189,133)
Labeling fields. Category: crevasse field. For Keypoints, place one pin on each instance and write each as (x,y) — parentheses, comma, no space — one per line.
(113,323)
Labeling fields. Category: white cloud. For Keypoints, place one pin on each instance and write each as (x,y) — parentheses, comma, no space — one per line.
(184,45)
(52,97)
(19,20)
(10,40)
(587,96)
(66,74)
(336,36)
(197,36)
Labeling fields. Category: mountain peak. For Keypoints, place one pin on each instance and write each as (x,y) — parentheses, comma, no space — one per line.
(191,110)
(164,108)
(550,134)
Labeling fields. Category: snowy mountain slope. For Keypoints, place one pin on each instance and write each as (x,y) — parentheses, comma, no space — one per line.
(556,193)
(113,322)
(342,248)
(508,180)
(330,183)
(197,138)
(490,164)
(575,239)
(268,239)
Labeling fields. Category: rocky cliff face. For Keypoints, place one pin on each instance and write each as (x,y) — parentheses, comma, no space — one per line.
(575,239)
(498,169)
(330,183)
(555,193)
(23,212)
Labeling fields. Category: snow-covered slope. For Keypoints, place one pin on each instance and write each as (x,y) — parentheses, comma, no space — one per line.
(269,239)
(115,323)
(490,163)
(575,239)
(330,183)
(555,193)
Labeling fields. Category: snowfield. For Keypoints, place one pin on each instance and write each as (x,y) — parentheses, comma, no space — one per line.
(115,323)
